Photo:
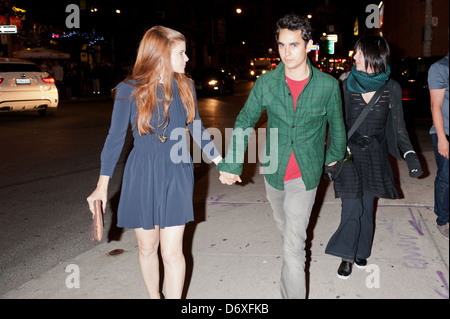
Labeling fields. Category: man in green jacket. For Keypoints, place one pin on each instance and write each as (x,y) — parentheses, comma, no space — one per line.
(300,101)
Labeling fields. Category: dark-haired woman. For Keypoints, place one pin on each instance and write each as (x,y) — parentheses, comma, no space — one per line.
(369,175)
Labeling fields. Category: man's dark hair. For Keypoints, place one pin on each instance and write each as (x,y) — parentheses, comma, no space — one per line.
(376,52)
(294,22)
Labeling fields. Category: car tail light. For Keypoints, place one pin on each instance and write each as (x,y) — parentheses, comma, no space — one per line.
(49,79)
(1,80)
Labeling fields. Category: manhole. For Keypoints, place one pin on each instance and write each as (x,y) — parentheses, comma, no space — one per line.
(116,252)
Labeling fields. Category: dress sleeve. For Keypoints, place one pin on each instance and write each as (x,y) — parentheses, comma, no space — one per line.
(201,136)
(118,130)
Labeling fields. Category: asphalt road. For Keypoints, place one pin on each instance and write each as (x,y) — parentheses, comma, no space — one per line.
(48,168)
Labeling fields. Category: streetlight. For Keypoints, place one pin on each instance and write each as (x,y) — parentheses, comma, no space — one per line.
(238,10)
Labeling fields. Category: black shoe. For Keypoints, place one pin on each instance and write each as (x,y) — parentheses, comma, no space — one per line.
(361,263)
(345,269)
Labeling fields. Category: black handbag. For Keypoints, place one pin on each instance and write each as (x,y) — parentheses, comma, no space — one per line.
(330,173)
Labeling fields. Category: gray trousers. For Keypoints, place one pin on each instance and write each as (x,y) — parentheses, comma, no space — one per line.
(291,211)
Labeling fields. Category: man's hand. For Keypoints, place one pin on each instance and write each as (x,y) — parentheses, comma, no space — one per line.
(443,147)
(229,179)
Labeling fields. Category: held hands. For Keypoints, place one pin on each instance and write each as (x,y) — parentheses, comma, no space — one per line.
(229,179)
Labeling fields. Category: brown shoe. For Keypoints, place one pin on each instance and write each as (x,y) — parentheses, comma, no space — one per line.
(443,230)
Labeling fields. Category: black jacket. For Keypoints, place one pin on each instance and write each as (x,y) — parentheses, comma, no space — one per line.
(396,133)
(397,140)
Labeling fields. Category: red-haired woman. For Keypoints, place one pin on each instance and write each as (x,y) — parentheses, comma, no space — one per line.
(156,197)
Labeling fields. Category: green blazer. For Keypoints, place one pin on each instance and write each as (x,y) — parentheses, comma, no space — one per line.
(302,131)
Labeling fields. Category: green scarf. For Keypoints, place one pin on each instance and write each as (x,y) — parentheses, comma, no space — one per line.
(362,82)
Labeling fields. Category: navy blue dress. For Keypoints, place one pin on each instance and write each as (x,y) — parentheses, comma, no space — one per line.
(158,179)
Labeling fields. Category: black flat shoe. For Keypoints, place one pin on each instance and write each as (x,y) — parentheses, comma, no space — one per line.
(361,263)
(345,269)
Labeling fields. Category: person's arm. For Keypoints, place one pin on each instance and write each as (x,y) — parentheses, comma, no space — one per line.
(201,136)
(437,83)
(336,128)
(436,98)
(230,167)
(113,147)
(403,141)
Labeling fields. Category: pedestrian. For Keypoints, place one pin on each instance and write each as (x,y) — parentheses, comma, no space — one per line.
(438,85)
(369,174)
(159,101)
(58,73)
(300,100)
(95,74)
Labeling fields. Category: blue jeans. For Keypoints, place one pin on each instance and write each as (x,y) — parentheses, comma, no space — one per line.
(291,210)
(440,185)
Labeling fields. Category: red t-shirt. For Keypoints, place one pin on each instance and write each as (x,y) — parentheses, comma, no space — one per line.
(296,87)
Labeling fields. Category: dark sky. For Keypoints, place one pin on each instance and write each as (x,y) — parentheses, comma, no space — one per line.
(53,11)
(138,16)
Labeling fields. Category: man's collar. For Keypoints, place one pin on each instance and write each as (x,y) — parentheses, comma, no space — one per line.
(280,74)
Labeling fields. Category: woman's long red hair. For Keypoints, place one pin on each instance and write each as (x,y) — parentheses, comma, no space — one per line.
(153,67)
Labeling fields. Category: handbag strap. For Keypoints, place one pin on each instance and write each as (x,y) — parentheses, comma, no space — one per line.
(366,111)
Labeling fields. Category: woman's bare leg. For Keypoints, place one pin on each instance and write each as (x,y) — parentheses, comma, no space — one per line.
(148,242)
(171,239)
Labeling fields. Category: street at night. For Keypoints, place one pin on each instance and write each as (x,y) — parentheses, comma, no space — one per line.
(50,167)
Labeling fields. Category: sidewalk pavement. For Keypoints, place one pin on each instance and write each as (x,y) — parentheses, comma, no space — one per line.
(233,249)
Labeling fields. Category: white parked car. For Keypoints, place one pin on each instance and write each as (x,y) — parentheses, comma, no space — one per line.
(24,86)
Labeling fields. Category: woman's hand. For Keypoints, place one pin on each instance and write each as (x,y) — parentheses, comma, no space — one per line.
(100,193)
(332,164)
(412,161)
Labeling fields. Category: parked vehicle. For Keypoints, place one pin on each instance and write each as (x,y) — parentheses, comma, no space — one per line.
(213,80)
(24,86)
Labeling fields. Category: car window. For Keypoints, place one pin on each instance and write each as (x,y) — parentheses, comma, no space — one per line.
(19,67)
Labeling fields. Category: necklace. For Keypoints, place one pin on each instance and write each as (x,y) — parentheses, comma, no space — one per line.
(162,137)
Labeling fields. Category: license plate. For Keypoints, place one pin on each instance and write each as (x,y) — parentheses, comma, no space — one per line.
(23,81)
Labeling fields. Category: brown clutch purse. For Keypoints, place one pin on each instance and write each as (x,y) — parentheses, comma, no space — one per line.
(97,222)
